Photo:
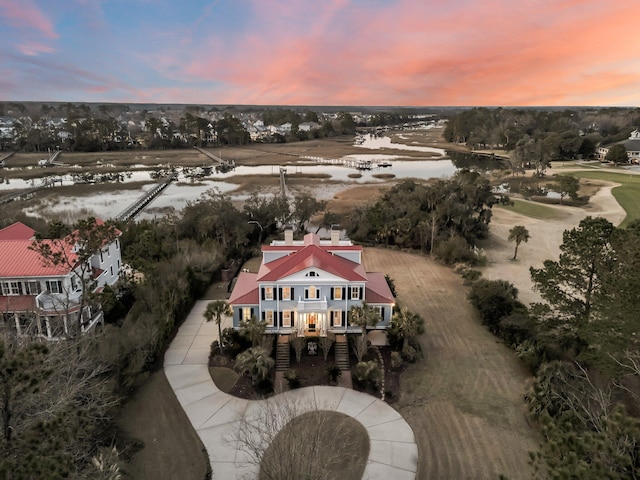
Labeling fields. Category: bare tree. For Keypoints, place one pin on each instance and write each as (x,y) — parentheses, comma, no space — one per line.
(290,440)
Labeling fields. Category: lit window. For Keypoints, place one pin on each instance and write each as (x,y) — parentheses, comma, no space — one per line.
(246,313)
(337,318)
(337,293)
(286,318)
(286,293)
(268,316)
(312,293)
(268,293)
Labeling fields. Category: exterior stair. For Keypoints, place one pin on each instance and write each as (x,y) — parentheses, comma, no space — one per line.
(341,353)
(283,352)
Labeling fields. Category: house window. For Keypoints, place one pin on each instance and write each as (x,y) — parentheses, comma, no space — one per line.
(32,288)
(74,284)
(337,293)
(337,318)
(286,293)
(54,286)
(101,257)
(111,270)
(286,318)
(268,293)
(268,316)
(12,288)
(246,313)
(312,274)
(311,293)
(355,293)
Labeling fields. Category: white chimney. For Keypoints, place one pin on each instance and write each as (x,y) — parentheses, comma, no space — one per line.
(335,235)
(288,235)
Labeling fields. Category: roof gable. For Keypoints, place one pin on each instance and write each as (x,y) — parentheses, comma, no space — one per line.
(17,231)
(311,256)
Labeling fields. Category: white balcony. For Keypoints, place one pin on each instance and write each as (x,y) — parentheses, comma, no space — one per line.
(305,306)
(58,302)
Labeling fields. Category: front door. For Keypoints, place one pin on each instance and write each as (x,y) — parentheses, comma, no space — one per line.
(311,322)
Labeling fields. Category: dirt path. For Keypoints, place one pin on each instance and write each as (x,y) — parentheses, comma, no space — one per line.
(464,400)
(171,447)
(546,238)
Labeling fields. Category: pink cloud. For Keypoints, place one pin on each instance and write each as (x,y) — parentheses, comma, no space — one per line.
(25,14)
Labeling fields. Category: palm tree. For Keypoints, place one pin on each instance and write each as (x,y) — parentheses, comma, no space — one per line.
(363,316)
(215,310)
(253,330)
(256,362)
(406,325)
(518,234)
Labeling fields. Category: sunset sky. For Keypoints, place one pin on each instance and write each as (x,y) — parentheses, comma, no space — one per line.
(322,52)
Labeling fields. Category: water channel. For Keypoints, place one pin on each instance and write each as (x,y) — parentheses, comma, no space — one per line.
(109,204)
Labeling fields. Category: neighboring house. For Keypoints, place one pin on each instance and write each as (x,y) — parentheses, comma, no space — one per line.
(37,298)
(308,126)
(308,288)
(632,144)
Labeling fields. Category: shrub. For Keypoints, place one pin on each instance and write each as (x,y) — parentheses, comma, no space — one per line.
(334,373)
(368,373)
(494,299)
(409,354)
(291,376)
(396,360)
(264,386)
(456,250)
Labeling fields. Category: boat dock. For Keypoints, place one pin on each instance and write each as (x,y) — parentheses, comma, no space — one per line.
(221,165)
(347,162)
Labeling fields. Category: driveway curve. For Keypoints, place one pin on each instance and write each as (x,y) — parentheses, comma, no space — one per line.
(216,415)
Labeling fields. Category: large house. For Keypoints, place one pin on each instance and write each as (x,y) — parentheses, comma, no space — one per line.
(308,287)
(43,299)
(632,145)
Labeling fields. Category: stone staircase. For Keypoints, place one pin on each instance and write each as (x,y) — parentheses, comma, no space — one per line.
(341,352)
(283,357)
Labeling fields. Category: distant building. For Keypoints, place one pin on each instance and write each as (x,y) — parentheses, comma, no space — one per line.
(632,144)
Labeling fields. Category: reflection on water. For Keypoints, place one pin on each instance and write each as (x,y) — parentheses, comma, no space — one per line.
(477,161)
(373,142)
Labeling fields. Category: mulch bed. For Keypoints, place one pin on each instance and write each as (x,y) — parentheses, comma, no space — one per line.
(312,371)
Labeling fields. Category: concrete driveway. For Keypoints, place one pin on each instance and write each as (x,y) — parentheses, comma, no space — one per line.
(216,415)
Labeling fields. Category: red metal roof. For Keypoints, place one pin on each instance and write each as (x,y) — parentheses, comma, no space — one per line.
(378,290)
(18,260)
(17,231)
(17,303)
(245,291)
(311,255)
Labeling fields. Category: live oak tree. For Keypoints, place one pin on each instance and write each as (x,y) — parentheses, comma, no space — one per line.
(617,154)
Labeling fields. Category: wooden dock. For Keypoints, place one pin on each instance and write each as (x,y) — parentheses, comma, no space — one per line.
(136,207)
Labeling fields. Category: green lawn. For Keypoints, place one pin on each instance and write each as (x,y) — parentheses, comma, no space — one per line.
(627,194)
(534,210)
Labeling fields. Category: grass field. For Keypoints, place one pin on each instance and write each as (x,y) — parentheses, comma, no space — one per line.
(533,210)
(627,194)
